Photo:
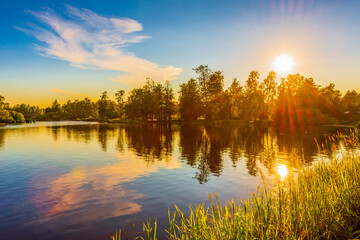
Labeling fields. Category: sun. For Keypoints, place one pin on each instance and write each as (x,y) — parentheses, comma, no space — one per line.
(283,64)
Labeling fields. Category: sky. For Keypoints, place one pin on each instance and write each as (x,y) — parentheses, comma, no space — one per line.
(51,49)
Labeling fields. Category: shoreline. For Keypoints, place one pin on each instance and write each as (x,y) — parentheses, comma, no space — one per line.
(258,123)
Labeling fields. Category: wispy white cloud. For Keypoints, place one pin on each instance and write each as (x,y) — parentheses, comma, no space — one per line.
(88,40)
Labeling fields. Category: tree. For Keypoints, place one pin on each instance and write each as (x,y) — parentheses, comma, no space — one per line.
(190,104)
(211,89)
(204,74)
(2,102)
(134,104)
(17,117)
(169,104)
(103,105)
(351,103)
(214,90)
(235,99)
(253,101)
(30,112)
(158,101)
(149,107)
(84,109)
(330,94)
(120,101)
(53,112)
(268,88)
(5,116)
(299,103)
(151,101)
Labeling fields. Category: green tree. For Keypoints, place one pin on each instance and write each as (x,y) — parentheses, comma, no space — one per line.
(268,88)
(83,109)
(169,104)
(103,105)
(3,104)
(204,73)
(5,116)
(351,104)
(120,101)
(53,112)
(235,99)
(214,102)
(330,94)
(2,101)
(190,104)
(300,103)
(30,113)
(17,117)
(134,104)
(253,102)
(158,101)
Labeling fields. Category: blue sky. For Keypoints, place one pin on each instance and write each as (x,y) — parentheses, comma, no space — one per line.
(71,49)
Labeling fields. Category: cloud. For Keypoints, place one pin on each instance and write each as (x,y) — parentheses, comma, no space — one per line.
(88,40)
(58,90)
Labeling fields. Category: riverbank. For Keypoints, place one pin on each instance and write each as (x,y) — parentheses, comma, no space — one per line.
(320,202)
(256,123)
(344,128)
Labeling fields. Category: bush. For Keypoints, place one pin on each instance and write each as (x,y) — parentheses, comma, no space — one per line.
(17,117)
(5,116)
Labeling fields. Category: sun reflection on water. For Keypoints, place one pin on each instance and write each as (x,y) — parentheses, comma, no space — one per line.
(282,171)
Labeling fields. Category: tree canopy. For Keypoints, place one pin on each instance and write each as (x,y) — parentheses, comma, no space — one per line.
(287,102)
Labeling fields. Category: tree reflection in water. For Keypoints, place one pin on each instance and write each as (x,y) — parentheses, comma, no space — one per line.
(150,141)
(2,138)
(205,147)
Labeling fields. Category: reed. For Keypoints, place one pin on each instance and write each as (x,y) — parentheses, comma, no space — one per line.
(320,202)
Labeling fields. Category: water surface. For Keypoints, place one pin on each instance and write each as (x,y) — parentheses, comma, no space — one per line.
(75,180)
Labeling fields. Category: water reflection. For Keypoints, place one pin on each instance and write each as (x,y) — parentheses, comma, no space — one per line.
(85,177)
(206,147)
(282,171)
(101,190)
(202,147)
(150,141)
(2,137)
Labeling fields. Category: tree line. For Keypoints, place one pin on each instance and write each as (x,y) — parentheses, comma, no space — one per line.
(288,102)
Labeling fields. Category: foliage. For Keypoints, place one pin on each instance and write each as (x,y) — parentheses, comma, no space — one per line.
(17,117)
(83,109)
(190,102)
(7,115)
(120,101)
(287,102)
(235,98)
(253,97)
(152,101)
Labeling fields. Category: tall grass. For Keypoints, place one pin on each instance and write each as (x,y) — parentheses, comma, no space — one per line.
(320,202)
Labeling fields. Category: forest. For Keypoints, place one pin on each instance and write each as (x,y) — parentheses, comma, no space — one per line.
(294,100)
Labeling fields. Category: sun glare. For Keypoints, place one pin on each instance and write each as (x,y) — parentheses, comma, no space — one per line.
(283,64)
(282,171)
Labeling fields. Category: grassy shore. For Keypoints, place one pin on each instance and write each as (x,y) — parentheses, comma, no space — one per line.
(320,202)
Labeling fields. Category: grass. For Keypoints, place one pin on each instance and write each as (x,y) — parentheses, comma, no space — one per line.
(320,202)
